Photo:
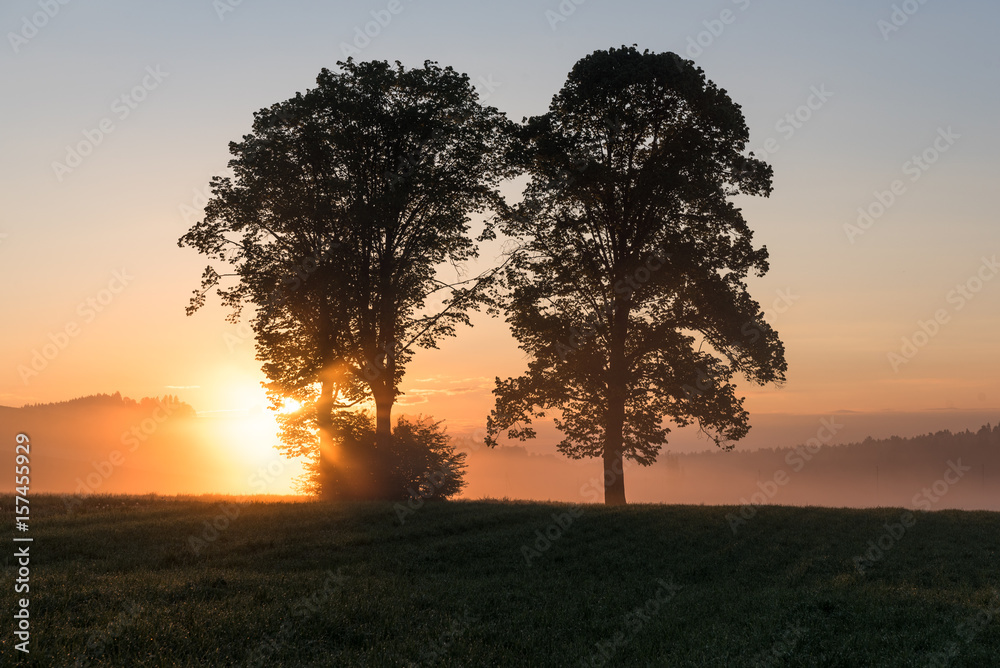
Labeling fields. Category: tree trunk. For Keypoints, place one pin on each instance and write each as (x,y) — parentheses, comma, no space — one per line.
(614,471)
(614,441)
(330,482)
(383,414)
(384,388)
(381,462)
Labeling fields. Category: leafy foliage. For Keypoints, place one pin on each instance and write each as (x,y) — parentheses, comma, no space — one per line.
(344,202)
(421,460)
(630,297)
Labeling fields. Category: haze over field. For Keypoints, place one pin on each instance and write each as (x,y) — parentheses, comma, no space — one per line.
(111,445)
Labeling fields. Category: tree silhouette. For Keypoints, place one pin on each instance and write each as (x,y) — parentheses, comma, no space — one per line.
(630,296)
(344,202)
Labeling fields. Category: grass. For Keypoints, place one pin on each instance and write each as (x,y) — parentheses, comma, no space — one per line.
(118,583)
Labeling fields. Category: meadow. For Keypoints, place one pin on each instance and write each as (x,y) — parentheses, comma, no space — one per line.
(164,581)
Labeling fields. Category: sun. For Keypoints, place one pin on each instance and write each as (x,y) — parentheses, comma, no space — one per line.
(289,405)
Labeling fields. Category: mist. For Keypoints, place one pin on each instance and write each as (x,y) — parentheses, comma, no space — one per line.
(939,471)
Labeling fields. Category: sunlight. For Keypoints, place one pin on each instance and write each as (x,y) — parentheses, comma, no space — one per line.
(243,396)
(289,405)
(251,439)
(244,431)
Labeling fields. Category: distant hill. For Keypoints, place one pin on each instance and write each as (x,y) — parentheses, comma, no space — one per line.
(113,444)
(115,400)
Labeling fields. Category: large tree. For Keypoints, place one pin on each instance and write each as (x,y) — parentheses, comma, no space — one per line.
(343,204)
(630,295)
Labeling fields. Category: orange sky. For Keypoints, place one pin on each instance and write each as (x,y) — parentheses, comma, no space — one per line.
(97,286)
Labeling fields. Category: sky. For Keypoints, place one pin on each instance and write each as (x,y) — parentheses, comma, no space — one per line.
(877,117)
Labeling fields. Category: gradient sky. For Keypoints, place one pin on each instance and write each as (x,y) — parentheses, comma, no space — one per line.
(842,299)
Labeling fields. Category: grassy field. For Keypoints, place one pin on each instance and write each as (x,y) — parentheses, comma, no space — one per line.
(146,581)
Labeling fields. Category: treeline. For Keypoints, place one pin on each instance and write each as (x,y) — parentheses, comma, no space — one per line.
(932,471)
(916,448)
(116,400)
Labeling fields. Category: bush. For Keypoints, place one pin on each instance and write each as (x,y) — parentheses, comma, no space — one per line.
(424,462)
(421,462)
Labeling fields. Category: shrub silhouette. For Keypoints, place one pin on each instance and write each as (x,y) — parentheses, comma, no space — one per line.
(419,462)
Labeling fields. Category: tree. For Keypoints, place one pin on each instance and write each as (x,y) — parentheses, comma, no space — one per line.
(630,296)
(344,202)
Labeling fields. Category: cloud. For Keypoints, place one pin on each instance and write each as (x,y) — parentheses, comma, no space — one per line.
(447,387)
(452,380)
(415,401)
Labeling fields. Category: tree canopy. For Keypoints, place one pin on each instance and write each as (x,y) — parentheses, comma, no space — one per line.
(628,290)
(344,202)
(630,297)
